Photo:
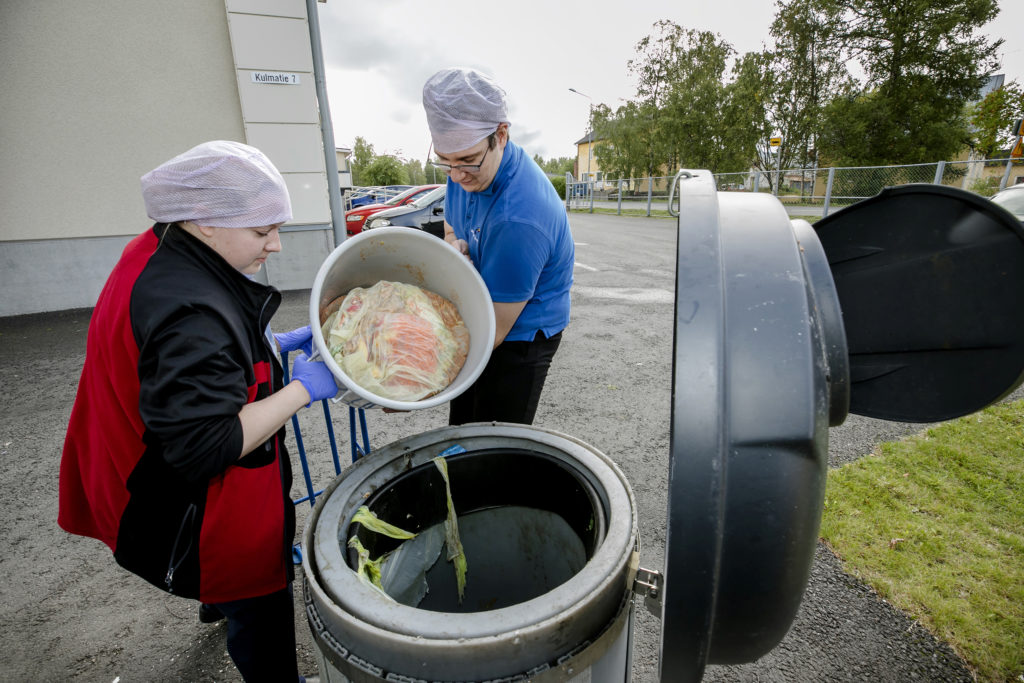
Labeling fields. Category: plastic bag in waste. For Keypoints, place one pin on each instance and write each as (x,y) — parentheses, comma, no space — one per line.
(403,571)
(368,570)
(401,574)
(456,554)
(371,521)
(396,340)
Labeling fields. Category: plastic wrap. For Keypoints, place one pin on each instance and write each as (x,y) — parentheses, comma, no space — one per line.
(396,340)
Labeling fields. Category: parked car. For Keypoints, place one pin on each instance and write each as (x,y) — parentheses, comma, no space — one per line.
(364,196)
(1012,199)
(425,213)
(355,218)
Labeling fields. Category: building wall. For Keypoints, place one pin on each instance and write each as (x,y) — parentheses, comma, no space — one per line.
(97,94)
(994,172)
(271,38)
(344,168)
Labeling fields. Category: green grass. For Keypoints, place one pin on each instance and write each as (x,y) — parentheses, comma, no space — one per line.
(935,524)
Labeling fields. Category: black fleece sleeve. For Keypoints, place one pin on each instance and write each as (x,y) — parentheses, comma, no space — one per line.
(192,388)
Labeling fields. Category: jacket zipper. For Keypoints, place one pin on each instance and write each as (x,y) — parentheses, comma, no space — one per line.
(263,309)
(173,565)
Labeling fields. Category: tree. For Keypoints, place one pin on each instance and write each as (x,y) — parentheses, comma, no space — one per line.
(653,70)
(807,70)
(369,168)
(922,65)
(362,156)
(385,170)
(624,147)
(993,118)
(695,123)
(745,115)
(559,184)
(685,113)
(556,165)
(414,169)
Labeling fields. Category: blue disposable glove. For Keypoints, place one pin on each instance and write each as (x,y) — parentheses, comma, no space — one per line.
(301,338)
(315,377)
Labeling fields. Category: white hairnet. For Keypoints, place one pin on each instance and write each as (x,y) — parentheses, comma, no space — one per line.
(221,183)
(463,107)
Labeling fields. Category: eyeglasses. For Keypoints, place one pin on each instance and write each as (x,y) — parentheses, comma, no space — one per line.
(465,168)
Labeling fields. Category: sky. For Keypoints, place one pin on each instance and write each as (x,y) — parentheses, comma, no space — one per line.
(378,54)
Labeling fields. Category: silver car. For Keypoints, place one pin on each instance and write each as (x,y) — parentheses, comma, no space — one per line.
(1012,199)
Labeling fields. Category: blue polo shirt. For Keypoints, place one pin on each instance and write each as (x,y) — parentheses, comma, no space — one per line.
(519,240)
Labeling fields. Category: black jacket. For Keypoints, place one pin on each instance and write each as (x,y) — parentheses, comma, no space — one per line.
(150,465)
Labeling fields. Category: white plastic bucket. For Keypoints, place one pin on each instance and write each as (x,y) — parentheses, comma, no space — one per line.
(414,257)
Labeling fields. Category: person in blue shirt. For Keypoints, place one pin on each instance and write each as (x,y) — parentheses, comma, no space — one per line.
(504,214)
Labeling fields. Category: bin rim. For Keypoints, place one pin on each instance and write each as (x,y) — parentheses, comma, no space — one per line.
(360,607)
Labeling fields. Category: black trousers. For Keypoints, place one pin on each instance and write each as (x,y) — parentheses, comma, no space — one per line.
(261,637)
(509,388)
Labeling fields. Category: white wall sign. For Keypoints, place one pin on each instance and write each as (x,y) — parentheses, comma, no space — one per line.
(275,77)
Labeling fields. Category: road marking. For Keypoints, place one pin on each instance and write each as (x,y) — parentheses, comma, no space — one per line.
(636,294)
(658,273)
(581,244)
(584,266)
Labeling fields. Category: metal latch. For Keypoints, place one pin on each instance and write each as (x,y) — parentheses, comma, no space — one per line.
(672,190)
(648,583)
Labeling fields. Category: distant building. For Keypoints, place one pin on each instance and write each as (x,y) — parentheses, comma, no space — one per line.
(344,158)
(586,167)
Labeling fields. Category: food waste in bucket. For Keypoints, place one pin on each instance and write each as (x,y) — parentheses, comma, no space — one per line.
(397,340)
(408,256)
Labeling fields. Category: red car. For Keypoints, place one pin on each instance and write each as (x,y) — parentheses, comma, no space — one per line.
(356,218)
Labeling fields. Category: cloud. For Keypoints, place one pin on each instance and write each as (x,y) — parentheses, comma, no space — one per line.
(378,55)
(528,138)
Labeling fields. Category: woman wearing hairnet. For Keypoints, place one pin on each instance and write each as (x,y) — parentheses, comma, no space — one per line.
(504,214)
(174,455)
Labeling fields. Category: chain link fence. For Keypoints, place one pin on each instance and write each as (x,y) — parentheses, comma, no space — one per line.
(805,192)
(627,195)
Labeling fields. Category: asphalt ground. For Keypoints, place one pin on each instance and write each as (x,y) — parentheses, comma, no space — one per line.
(70,613)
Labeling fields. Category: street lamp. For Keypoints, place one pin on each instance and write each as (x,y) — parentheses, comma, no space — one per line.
(590,129)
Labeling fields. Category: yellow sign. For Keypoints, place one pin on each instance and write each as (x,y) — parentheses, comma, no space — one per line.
(775,142)
(1018,151)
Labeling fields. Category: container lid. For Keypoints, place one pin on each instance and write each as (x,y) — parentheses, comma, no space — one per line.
(759,374)
(905,306)
(929,281)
